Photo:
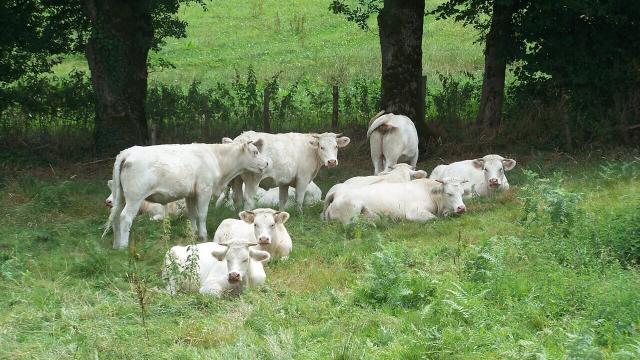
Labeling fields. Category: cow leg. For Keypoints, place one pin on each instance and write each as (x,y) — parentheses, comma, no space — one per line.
(419,214)
(203,210)
(301,189)
(414,161)
(236,186)
(250,188)
(126,219)
(116,225)
(283,194)
(192,210)
(376,152)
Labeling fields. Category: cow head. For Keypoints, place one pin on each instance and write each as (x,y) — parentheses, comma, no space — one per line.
(405,171)
(451,192)
(253,159)
(238,255)
(327,145)
(109,200)
(494,167)
(264,223)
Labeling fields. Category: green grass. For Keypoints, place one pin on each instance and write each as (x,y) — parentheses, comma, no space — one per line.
(260,33)
(477,286)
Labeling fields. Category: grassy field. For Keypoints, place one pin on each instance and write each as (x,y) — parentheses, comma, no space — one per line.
(484,285)
(300,38)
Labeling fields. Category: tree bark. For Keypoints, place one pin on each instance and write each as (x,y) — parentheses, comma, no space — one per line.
(496,53)
(122,34)
(400,25)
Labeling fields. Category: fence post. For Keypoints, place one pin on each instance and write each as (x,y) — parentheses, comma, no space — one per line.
(266,121)
(334,115)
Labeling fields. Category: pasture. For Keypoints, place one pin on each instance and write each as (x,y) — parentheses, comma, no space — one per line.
(545,270)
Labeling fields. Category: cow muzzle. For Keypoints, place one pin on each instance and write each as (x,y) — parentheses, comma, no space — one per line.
(461,209)
(494,183)
(234,277)
(109,203)
(264,240)
(332,163)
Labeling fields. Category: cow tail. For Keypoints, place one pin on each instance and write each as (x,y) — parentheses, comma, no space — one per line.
(328,200)
(118,196)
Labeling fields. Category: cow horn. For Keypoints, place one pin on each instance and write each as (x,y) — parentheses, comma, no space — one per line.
(338,135)
(440,181)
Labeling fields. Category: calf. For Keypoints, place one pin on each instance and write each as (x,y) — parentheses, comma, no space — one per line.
(156,211)
(398,173)
(296,159)
(263,226)
(219,268)
(166,173)
(417,200)
(271,198)
(393,139)
(484,175)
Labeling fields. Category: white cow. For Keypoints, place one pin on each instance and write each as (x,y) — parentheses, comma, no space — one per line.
(271,197)
(393,139)
(166,173)
(485,174)
(417,200)
(263,226)
(215,269)
(296,159)
(398,173)
(156,211)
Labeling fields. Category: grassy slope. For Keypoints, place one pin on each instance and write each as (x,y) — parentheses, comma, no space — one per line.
(64,293)
(239,34)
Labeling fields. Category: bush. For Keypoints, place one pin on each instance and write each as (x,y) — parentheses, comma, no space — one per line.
(392,279)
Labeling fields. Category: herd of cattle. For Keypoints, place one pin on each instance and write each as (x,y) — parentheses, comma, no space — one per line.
(168,179)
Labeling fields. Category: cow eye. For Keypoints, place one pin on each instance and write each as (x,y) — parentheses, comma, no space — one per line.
(255,225)
(273,225)
(321,147)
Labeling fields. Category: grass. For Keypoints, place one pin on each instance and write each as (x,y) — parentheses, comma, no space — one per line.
(301,38)
(482,285)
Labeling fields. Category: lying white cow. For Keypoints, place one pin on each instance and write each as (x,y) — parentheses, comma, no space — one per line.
(397,174)
(263,226)
(219,268)
(166,173)
(271,197)
(417,200)
(393,139)
(296,159)
(156,211)
(485,174)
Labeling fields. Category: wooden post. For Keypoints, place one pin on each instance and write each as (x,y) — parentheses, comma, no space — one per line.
(334,116)
(266,121)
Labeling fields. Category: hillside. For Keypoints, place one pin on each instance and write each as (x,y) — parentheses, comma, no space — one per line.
(298,37)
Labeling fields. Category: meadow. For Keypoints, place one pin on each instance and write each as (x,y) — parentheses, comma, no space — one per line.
(303,39)
(545,270)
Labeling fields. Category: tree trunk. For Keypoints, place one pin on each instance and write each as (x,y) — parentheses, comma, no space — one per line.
(122,34)
(400,27)
(496,52)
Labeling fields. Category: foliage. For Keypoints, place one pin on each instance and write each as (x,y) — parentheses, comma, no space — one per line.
(358,14)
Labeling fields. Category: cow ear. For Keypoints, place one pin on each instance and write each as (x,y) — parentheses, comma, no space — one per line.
(258,143)
(508,164)
(343,141)
(110,184)
(478,164)
(220,252)
(259,255)
(281,217)
(226,140)
(314,142)
(419,174)
(247,216)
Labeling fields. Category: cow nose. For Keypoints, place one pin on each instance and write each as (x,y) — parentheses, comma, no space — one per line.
(264,240)
(109,203)
(460,209)
(234,277)
(493,181)
(332,163)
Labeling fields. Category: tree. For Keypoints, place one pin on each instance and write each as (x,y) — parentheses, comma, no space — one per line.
(116,36)
(400,24)
(501,45)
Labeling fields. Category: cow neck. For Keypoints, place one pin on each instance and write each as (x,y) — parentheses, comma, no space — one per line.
(226,154)
(437,200)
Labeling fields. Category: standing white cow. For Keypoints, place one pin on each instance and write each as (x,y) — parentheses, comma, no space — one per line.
(271,197)
(485,174)
(263,226)
(398,173)
(417,200)
(215,269)
(393,139)
(295,161)
(156,211)
(166,173)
